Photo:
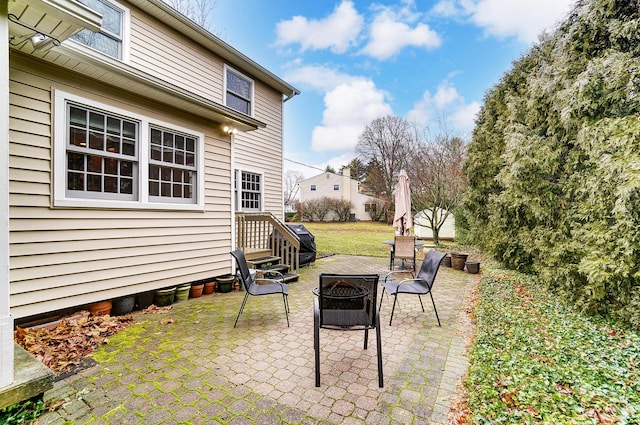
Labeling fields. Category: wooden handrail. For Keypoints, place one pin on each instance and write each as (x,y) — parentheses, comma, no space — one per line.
(263,231)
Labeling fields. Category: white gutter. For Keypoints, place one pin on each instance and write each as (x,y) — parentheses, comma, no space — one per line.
(6,320)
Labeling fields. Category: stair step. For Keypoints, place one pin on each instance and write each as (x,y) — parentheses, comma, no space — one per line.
(282,268)
(291,277)
(257,263)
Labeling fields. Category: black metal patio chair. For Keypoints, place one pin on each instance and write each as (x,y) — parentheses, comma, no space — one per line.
(258,286)
(347,302)
(421,284)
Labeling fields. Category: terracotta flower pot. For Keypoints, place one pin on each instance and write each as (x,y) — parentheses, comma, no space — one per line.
(196,290)
(101,308)
(209,287)
(446,261)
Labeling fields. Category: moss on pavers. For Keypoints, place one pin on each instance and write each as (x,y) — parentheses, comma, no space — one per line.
(190,365)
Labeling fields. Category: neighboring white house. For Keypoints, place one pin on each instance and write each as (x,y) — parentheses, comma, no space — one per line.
(422,231)
(340,186)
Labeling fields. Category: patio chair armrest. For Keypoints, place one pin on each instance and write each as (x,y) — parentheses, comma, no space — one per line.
(395,272)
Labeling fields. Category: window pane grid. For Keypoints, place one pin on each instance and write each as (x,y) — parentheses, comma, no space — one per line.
(172,165)
(250,197)
(97,159)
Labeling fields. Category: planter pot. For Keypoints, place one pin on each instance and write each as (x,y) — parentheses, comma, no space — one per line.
(144,299)
(102,308)
(225,283)
(458,259)
(182,293)
(196,290)
(164,297)
(123,305)
(446,261)
(209,287)
(473,267)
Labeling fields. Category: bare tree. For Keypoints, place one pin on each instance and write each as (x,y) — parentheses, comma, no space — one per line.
(437,181)
(292,181)
(385,146)
(198,11)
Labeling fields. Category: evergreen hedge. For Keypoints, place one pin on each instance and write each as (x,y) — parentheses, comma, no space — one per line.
(554,163)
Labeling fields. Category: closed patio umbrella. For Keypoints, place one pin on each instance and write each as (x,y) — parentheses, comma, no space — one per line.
(402,219)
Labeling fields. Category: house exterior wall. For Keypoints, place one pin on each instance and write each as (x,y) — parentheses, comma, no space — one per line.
(348,190)
(62,257)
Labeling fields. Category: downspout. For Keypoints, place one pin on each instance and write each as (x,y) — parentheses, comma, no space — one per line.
(6,320)
(287,98)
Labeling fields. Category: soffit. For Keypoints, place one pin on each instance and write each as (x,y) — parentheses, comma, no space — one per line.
(56,19)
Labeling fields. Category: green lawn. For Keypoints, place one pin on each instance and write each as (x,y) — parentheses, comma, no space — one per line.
(358,238)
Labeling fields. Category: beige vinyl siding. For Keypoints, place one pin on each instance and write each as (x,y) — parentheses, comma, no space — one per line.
(266,144)
(62,258)
(164,53)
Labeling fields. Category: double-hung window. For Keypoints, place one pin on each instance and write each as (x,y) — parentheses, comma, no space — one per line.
(101,154)
(238,91)
(110,40)
(172,166)
(113,158)
(249,191)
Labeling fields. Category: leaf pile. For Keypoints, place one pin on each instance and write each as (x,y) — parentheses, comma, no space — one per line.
(61,349)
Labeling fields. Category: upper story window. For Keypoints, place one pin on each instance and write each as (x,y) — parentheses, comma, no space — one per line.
(336,187)
(313,187)
(110,39)
(113,158)
(238,91)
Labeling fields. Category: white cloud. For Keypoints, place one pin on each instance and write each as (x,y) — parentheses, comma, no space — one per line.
(522,19)
(448,108)
(348,109)
(336,32)
(390,32)
(318,77)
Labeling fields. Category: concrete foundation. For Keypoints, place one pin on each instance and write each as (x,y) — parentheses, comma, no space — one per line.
(31,378)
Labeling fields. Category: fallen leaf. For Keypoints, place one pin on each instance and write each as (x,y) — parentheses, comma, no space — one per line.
(167,321)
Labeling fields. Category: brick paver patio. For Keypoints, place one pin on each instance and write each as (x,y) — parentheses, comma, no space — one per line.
(201,370)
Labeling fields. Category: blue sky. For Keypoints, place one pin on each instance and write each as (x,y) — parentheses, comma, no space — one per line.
(429,61)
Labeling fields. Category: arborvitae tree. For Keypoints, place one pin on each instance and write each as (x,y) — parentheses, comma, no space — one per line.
(554,164)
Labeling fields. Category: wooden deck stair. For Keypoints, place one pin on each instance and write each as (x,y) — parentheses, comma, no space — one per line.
(269,263)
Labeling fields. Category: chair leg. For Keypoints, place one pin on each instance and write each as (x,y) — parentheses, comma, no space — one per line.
(366,338)
(381,297)
(421,305)
(379,348)
(395,298)
(244,301)
(286,307)
(434,308)
(316,342)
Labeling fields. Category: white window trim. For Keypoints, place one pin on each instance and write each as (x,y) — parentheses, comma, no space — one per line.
(224,91)
(126,37)
(60,198)
(238,190)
